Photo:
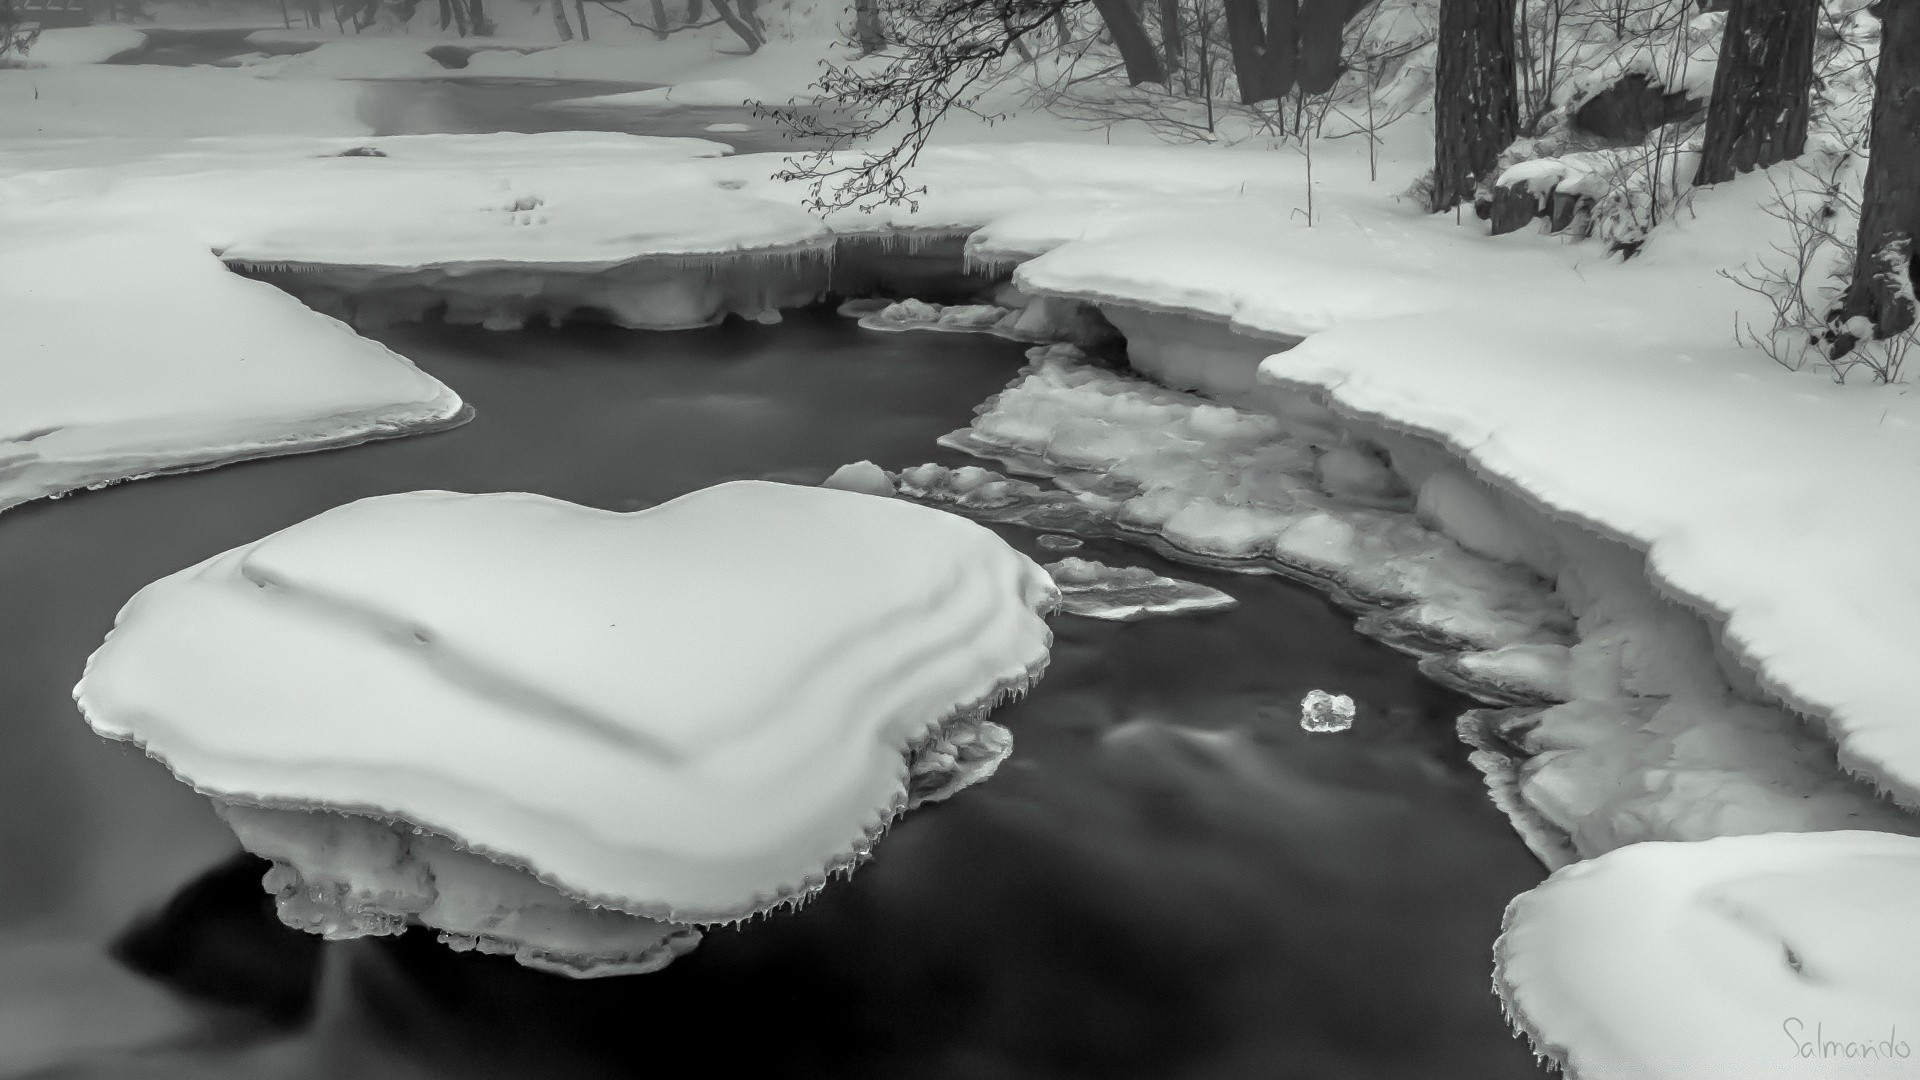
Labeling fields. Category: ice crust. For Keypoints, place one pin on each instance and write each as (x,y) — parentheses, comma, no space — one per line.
(1776,955)
(1128,593)
(1634,726)
(194,368)
(655,712)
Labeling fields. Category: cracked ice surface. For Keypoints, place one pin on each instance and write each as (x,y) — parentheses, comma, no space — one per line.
(1127,593)
(657,713)
(1727,959)
(1228,486)
(129,355)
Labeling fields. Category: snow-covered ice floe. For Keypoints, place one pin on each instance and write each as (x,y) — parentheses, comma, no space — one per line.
(129,355)
(1127,593)
(570,734)
(1739,958)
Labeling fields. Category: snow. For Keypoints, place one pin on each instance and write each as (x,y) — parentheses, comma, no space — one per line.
(1753,956)
(658,712)
(129,354)
(376,58)
(863,476)
(1128,593)
(77,45)
(691,94)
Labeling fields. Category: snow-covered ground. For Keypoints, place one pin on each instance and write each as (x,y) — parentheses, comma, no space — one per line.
(657,714)
(129,354)
(1575,489)
(1728,959)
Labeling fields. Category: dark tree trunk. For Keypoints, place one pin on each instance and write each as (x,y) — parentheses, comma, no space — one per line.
(739,26)
(1171,50)
(1883,272)
(660,27)
(561,27)
(866,26)
(1247,41)
(750,14)
(1475,107)
(1263,50)
(1130,37)
(580,16)
(1298,42)
(477,19)
(1758,115)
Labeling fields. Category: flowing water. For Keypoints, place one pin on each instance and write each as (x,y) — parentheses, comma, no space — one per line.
(1168,878)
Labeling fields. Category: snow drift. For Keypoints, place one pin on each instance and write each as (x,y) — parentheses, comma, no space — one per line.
(682,715)
(126,356)
(1776,955)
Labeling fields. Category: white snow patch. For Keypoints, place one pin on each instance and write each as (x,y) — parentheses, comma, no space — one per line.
(1778,955)
(689,713)
(128,355)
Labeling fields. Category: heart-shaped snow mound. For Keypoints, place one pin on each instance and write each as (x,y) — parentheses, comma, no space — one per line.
(692,712)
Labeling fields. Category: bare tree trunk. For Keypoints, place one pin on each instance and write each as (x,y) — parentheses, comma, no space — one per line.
(750,14)
(660,28)
(866,26)
(1130,37)
(739,26)
(1758,114)
(560,25)
(477,17)
(1247,42)
(580,16)
(1319,35)
(693,11)
(1883,271)
(1475,114)
(1172,48)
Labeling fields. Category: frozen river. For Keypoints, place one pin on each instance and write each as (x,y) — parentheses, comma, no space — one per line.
(1168,878)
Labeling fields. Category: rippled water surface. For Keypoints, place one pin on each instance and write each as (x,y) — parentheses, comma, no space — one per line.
(1169,877)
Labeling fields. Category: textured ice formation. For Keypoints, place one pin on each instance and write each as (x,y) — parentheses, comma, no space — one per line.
(1778,955)
(1323,712)
(954,318)
(1231,486)
(125,356)
(1128,593)
(656,719)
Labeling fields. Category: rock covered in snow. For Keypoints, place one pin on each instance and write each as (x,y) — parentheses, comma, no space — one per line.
(1775,955)
(681,715)
(1128,593)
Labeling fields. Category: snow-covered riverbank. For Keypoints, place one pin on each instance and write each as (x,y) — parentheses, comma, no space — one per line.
(1727,537)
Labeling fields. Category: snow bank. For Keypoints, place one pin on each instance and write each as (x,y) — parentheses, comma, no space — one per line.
(136,102)
(373,58)
(693,94)
(659,713)
(76,45)
(129,355)
(1754,956)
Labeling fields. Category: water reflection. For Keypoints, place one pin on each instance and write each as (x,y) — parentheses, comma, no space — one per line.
(1169,878)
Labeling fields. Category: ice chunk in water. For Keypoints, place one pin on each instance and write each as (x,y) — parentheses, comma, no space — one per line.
(861,476)
(1056,542)
(1126,593)
(1321,711)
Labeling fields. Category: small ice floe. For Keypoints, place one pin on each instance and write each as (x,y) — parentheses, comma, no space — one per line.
(862,476)
(1128,593)
(569,735)
(1056,542)
(1321,711)
(953,318)
(733,128)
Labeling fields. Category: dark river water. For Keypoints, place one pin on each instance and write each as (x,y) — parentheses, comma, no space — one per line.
(1168,878)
